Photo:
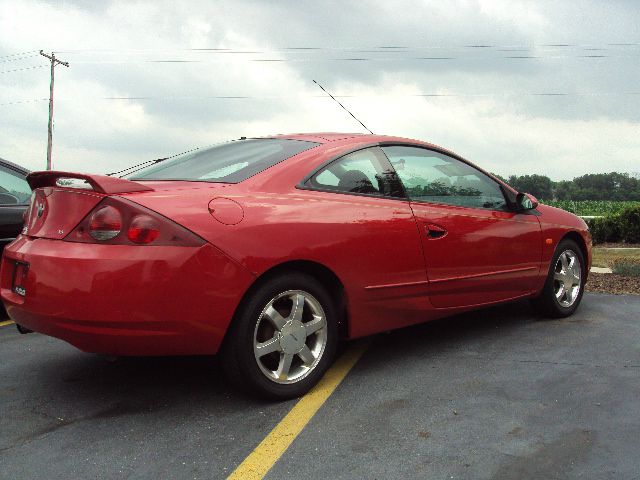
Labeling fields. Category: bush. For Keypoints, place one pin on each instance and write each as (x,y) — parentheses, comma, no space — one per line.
(629,225)
(623,227)
(603,229)
(591,207)
(629,267)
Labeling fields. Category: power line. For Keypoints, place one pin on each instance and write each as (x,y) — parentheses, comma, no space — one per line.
(179,61)
(281,97)
(24,101)
(387,48)
(314,54)
(351,59)
(21,69)
(361,59)
(19,53)
(277,97)
(17,59)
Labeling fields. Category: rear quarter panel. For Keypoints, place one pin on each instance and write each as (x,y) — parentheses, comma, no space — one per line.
(366,242)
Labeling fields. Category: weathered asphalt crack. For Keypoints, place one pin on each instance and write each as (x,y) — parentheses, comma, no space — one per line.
(594,365)
(114,410)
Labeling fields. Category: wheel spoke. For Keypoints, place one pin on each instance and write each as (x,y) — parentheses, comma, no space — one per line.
(272,345)
(315,324)
(306,355)
(275,318)
(576,272)
(558,276)
(565,263)
(297,307)
(284,366)
(572,293)
(560,292)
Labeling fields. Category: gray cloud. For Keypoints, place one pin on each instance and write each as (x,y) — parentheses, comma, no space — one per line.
(117,104)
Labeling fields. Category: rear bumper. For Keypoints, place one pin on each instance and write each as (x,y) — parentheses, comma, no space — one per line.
(124,300)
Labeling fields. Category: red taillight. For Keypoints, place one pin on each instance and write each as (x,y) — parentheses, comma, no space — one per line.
(141,225)
(143,229)
(105,223)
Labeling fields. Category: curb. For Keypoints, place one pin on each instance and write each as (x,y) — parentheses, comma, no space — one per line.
(600,270)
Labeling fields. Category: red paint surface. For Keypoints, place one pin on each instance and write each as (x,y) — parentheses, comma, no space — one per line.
(226,211)
(148,300)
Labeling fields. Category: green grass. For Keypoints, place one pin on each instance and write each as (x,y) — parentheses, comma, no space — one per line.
(606,257)
(592,207)
(629,267)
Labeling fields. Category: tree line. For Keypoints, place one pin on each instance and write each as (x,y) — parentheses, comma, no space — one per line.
(592,186)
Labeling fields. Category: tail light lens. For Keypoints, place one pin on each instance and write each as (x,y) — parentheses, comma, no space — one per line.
(105,223)
(118,221)
(143,229)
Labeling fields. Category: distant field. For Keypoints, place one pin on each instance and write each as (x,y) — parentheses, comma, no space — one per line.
(592,207)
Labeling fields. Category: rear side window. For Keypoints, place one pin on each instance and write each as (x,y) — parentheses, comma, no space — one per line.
(365,172)
(230,162)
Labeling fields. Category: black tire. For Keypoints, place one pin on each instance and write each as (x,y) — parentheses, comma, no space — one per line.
(546,303)
(22,329)
(240,363)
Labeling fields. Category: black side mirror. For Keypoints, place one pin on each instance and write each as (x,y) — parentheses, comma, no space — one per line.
(526,201)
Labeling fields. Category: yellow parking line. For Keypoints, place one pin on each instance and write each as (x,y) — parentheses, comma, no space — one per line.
(5,323)
(267,453)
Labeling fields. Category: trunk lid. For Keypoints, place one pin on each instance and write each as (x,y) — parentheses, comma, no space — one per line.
(61,200)
(53,212)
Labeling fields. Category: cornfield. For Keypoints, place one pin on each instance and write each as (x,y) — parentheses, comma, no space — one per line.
(594,208)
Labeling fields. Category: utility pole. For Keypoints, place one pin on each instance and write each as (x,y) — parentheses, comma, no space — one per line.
(54,62)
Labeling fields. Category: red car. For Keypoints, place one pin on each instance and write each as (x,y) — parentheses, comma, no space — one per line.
(270,250)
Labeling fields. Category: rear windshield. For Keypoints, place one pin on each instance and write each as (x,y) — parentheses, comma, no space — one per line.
(230,162)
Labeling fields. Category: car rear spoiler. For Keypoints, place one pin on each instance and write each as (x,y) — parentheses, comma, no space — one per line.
(99,183)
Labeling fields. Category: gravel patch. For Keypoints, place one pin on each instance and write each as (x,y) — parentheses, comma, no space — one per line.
(613,283)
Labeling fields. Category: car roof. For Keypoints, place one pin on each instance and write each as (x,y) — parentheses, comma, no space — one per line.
(14,166)
(361,138)
(320,137)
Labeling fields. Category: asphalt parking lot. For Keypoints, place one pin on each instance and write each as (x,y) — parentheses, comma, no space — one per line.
(495,394)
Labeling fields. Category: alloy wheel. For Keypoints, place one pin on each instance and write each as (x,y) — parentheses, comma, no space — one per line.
(567,278)
(290,336)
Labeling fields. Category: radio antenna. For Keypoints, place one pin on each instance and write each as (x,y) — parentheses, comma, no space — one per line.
(345,108)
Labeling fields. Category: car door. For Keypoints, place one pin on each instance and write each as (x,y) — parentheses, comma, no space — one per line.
(14,200)
(476,249)
(356,205)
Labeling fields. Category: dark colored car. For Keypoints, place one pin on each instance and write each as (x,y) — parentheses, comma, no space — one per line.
(14,200)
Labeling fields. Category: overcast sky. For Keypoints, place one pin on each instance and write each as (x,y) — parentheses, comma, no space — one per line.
(518,87)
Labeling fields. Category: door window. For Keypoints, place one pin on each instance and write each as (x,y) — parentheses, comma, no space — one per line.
(365,172)
(430,176)
(14,189)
